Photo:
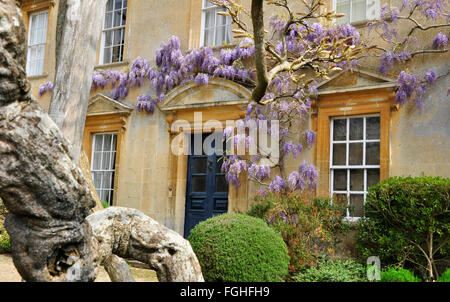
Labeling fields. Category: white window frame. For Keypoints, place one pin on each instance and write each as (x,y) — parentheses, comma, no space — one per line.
(215,8)
(112,29)
(366,18)
(40,70)
(113,171)
(347,166)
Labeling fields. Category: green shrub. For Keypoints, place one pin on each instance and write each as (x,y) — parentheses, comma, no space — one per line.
(398,275)
(5,245)
(333,271)
(105,204)
(309,226)
(405,219)
(239,248)
(445,277)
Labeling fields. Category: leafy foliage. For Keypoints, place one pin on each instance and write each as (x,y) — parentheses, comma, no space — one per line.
(5,245)
(105,204)
(308,225)
(239,248)
(398,275)
(407,220)
(333,271)
(445,277)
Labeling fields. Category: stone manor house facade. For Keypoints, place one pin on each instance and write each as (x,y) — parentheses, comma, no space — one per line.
(362,135)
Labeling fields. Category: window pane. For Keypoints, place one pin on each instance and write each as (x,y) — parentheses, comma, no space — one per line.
(106,180)
(340,180)
(339,154)
(220,35)
(116,54)
(114,142)
(106,160)
(98,142)
(118,36)
(343,7)
(221,184)
(372,153)
(97,178)
(118,4)
(199,165)
(210,18)
(221,20)
(117,18)
(373,127)
(356,128)
(112,165)
(340,130)
(110,5)
(356,205)
(198,183)
(209,36)
(208,4)
(108,38)
(124,17)
(108,20)
(219,165)
(355,154)
(107,55)
(373,177)
(97,160)
(358,10)
(107,142)
(356,180)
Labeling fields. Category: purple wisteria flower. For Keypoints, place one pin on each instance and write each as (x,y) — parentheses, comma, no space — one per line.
(430,76)
(48,86)
(440,41)
(259,172)
(277,185)
(310,136)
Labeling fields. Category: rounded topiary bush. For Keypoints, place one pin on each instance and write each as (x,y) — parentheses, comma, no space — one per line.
(398,275)
(239,248)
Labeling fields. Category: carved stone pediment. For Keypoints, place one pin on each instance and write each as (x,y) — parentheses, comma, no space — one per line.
(354,81)
(100,104)
(218,92)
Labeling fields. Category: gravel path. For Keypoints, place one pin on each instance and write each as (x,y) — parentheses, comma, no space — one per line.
(8,272)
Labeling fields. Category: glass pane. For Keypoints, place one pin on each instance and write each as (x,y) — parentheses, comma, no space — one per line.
(106,160)
(108,38)
(372,153)
(107,55)
(118,4)
(114,143)
(98,142)
(199,165)
(116,54)
(208,4)
(97,178)
(107,142)
(358,10)
(340,130)
(198,183)
(221,184)
(373,177)
(356,180)
(220,35)
(124,17)
(106,180)
(356,205)
(209,37)
(221,20)
(340,180)
(229,34)
(112,165)
(356,128)
(339,154)
(210,19)
(108,20)
(96,161)
(343,7)
(356,154)
(110,5)
(117,18)
(373,127)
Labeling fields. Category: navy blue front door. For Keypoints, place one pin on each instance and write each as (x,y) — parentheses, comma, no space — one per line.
(207,189)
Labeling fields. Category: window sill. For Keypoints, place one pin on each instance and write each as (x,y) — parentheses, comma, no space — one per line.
(112,65)
(37,77)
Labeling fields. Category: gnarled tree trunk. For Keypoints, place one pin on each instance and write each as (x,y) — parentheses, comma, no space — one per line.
(48,198)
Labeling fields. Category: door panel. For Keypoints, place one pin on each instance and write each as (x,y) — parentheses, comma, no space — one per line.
(206,191)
